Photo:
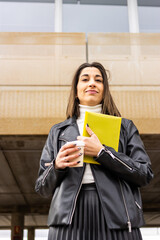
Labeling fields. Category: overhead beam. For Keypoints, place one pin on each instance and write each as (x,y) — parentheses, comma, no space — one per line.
(153,3)
(34,110)
(37,209)
(43,209)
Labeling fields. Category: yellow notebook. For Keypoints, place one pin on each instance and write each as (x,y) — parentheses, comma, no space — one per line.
(106,127)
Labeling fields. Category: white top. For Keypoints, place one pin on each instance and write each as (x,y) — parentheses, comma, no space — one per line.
(88,176)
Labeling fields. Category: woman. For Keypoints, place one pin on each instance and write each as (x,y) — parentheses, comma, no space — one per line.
(94,201)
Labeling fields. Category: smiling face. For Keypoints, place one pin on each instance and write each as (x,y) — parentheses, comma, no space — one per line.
(90,86)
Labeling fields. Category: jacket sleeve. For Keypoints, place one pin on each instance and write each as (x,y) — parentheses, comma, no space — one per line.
(134,166)
(48,177)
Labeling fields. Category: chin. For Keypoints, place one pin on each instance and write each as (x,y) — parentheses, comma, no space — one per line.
(92,103)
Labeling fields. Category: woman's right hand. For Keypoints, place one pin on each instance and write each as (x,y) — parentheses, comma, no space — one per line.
(64,159)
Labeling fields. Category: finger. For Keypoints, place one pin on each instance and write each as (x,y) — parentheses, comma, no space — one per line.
(71,164)
(71,157)
(64,159)
(88,129)
(65,151)
(70,151)
(68,145)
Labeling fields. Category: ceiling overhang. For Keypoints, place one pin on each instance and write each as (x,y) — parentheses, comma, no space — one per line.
(153,3)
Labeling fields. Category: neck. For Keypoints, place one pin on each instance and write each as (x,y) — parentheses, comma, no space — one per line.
(84,108)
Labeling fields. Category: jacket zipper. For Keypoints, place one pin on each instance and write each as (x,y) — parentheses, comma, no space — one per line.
(119,160)
(75,200)
(47,172)
(125,205)
(138,205)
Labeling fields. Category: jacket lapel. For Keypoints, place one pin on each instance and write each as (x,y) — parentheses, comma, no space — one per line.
(69,131)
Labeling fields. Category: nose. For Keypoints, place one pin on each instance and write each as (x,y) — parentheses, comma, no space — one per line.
(91,83)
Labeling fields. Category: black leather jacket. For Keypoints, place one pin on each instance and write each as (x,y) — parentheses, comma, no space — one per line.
(117,178)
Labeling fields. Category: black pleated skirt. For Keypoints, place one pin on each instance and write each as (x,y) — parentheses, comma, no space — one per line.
(89,223)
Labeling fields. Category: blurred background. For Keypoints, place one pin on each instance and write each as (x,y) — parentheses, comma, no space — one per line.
(41,45)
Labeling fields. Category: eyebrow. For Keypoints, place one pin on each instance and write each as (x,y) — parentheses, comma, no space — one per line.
(86,75)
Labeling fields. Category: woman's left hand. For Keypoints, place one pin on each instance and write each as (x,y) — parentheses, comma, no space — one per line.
(92,143)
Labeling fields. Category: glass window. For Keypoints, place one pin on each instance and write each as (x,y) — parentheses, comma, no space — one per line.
(26,17)
(95,18)
(149,19)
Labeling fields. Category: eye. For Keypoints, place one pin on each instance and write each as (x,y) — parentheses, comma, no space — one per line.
(98,80)
(85,80)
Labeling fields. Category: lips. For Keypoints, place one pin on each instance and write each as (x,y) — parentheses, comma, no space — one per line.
(92,91)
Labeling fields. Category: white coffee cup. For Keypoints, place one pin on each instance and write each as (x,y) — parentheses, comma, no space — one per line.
(79,159)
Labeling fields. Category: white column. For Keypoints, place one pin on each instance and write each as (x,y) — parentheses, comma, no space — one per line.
(58,16)
(133,16)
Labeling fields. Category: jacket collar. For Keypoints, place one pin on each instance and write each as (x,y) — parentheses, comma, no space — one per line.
(67,122)
(69,129)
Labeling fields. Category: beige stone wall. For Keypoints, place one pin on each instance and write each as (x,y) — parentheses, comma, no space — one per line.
(46,59)
(134,62)
(37,68)
(132,58)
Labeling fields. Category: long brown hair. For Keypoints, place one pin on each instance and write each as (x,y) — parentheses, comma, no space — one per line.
(108,105)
